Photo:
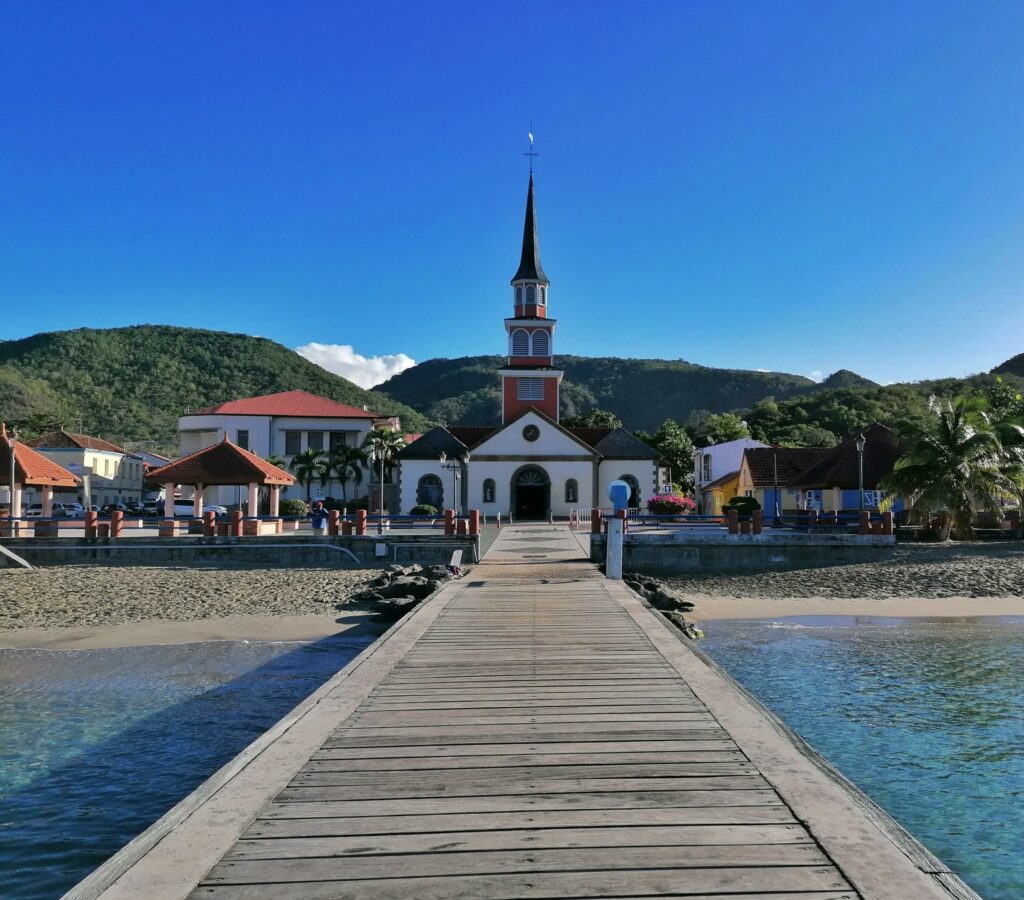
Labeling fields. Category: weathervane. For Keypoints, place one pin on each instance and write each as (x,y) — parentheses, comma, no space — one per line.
(530,152)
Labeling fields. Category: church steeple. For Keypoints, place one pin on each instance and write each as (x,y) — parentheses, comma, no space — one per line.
(530,268)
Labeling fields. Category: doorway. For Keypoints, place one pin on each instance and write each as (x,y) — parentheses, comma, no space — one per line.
(531,493)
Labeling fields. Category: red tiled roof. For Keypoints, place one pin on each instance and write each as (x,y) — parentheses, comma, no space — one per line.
(31,467)
(68,440)
(288,403)
(223,463)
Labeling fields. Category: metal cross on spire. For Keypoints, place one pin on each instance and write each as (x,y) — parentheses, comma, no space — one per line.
(530,152)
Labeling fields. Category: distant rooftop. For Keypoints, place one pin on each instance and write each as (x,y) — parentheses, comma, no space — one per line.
(288,403)
(69,440)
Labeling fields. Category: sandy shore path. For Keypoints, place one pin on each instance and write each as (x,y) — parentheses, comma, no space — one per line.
(97,606)
(920,580)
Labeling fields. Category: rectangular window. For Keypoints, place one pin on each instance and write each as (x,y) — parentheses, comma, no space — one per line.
(707,467)
(530,389)
(315,440)
(292,443)
(336,440)
(243,438)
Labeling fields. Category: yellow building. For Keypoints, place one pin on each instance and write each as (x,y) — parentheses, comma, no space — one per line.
(108,474)
(718,492)
(765,473)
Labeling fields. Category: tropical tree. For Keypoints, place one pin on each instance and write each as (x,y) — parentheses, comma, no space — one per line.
(276,460)
(384,445)
(959,460)
(596,418)
(674,444)
(308,467)
(720,428)
(345,464)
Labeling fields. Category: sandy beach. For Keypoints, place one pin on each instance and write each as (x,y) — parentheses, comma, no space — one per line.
(97,606)
(920,580)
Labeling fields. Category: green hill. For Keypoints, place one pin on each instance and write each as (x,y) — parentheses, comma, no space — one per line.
(133,383)
(641,392)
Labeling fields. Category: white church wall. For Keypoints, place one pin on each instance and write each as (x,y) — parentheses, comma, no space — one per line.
(643,470)
(558,472)
(412,470)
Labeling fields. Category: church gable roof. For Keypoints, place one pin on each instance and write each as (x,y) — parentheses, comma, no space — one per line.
(432,444)
(622,444)
(554,439)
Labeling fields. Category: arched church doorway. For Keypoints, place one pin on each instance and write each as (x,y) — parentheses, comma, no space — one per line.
(531,493)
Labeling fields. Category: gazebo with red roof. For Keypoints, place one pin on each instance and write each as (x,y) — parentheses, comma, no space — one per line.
(30,468)
(222,463)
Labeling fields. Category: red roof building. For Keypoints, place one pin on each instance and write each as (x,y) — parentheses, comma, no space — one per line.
(288,403)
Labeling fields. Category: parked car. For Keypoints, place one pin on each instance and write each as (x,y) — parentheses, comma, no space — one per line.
(187,508)
(107,508)
(35,511)
(74,510)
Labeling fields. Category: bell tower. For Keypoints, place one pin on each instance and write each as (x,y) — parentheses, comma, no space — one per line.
(530,378)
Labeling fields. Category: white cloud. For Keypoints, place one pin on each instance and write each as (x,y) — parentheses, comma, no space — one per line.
(816,375)
(763,370)
(366,371)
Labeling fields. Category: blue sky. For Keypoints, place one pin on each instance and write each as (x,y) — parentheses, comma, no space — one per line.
(779,185)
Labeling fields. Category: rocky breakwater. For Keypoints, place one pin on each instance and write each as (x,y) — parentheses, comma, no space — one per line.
(664,599)
(398,590)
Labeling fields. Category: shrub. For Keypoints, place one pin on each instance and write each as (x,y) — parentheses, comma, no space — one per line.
(293,508)
(670,505)
(423,509)
(743,505)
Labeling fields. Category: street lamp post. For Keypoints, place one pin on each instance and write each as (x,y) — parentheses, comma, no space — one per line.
(455,465)
(861,443)
(376,455)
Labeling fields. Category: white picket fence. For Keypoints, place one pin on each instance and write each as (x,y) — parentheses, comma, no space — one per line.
(579,517)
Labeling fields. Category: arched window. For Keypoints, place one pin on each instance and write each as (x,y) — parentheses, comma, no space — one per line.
(488,490)
(572,491)
(531,294)
(541,344)
(519,294)
(543,295)
(429,491)
(634,490)
(520,342)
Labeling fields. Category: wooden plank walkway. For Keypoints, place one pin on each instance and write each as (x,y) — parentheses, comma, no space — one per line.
(540,738)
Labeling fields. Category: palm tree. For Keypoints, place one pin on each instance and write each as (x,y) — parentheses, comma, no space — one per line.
(345,464)
(308,466)
(278,461)
(957,462)
(384,445)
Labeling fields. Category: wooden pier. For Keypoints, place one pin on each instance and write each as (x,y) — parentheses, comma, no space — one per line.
(531,731)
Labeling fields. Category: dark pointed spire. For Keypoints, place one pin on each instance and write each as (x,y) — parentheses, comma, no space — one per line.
(530,268)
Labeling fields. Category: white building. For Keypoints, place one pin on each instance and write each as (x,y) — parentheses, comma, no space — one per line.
(284,425)
(530,465)
(714,463)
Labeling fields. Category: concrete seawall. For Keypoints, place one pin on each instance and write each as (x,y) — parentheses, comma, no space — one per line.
(671,553)
(368,551)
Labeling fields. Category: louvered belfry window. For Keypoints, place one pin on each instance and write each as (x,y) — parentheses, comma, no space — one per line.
(541,344)
(530,389)
(520,342)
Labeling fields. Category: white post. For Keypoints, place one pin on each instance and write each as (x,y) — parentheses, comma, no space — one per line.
(613,551)
(16,491)
(275,500)
(197,502)
(47,502)
(254,499)
(168,501)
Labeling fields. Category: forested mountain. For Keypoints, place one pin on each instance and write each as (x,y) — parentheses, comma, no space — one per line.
(133,383)
(643,393)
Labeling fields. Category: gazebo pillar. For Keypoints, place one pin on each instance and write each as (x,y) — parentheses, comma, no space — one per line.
(169,501)
(47,501)
(275,500)
(254,499)
(197,502)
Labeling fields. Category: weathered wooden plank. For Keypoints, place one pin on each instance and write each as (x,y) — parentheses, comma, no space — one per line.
(556,819)
(639,749)
(341,738)
(274,847)
(341,772)
(325,866)
(549,761)
(523,802)
(675,881)
(407,720)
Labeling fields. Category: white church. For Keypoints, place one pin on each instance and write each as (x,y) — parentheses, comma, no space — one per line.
(529,466)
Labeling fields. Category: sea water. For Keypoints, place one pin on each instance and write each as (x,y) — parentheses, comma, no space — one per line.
(925,716)
(95,745)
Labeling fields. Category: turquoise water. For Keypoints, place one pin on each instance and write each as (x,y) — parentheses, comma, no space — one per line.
(925,716)
(95,745)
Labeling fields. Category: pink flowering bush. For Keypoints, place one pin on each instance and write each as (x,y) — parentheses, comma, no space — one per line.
(670,505)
